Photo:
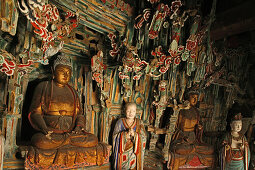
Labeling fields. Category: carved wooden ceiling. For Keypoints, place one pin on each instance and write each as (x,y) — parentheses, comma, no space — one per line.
(96,18)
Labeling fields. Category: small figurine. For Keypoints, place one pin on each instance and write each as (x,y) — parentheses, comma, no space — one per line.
(235,153)
(129,140)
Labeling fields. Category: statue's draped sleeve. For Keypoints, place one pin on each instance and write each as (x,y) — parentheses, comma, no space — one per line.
(120,141)
(199,128)
(80,118)
(35,114)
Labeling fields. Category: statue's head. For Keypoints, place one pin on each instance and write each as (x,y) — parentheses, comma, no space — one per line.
(236,123)
(130,110)
(193,98)
(192,95)
(62,70)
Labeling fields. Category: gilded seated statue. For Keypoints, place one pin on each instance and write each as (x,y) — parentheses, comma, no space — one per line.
(56,114)
(186,145)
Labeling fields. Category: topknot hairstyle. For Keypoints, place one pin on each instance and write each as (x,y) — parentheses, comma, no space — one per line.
(63,60)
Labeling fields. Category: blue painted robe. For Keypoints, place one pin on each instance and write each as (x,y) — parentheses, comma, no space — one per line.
(128,153)
(234,158)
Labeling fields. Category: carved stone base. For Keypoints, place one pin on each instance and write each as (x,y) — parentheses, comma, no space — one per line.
(67,158)
(192,161)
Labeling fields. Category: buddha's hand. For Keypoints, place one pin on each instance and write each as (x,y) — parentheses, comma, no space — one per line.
(132,132)
(226,145)
(129,134)
(78,130)
(48,135)
(200,127)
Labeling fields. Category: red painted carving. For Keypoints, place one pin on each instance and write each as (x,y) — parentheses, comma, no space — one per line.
(45,19)
(115,49)
(142,18)
(97,67)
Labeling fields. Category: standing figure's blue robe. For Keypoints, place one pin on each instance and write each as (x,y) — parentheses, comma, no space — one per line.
(129,153)
(234,158)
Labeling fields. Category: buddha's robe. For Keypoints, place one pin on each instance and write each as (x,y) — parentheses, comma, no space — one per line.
(128,153)
(57,109)
(186,141)
(235,158)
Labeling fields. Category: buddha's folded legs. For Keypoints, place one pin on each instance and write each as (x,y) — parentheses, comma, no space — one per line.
(183,148)
(84,140)
(186,148)
(204,149)
(181,160)
(40,140)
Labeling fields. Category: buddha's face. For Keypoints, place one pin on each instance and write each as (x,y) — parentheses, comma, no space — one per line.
(236,126)
(62,74)
(193,98)
(131,111)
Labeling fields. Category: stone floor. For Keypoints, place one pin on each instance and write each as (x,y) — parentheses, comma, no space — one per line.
(153,160)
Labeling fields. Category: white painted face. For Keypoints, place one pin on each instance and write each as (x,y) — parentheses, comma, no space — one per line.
(236,126)
(131,111)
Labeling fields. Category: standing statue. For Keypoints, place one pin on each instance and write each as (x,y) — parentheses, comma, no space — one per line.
(186,145)
(129,140)
(235,153)
(55,112)
(251,140)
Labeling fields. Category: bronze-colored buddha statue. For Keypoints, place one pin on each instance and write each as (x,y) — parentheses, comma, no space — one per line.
(56,114)
(186,145)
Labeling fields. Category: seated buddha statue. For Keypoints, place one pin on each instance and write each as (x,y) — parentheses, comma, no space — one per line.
(235,152)
(186,144)
(56,114)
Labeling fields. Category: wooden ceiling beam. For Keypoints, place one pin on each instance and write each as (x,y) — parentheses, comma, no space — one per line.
(234,21)
(233,29)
